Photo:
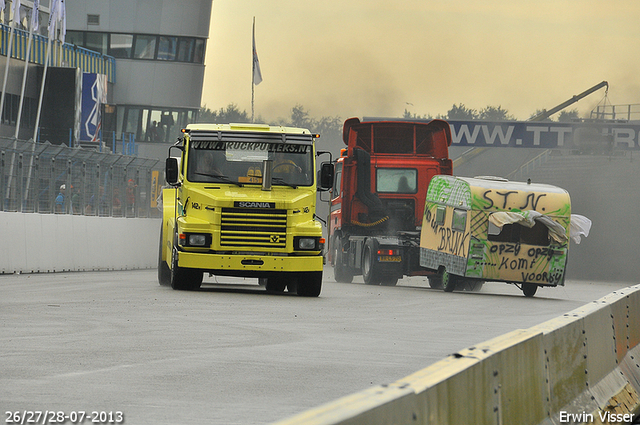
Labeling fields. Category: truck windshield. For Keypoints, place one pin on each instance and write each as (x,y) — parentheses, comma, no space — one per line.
(241,162)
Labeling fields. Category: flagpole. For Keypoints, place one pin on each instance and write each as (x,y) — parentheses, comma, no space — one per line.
(52,31)
(16,16)
(6,66)
(35,25)
(24,81)
(44,73)
(253,65)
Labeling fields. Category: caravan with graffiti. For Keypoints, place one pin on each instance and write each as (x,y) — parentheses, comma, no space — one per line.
(491,229)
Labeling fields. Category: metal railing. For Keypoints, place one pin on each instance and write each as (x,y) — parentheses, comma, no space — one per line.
(45,178)
(530,165)
(630,112)
(63,54)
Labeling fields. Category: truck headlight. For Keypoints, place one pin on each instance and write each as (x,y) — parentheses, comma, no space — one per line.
(195,239)
(304,243)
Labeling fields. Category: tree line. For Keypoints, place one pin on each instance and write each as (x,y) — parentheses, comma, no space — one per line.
(331,127)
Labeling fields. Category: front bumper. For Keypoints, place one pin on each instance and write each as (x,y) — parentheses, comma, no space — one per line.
(237,264)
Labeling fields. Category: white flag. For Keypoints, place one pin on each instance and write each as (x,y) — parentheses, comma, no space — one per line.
(62,15)
(35,19)
(257,75)
(16,11)
(53,11)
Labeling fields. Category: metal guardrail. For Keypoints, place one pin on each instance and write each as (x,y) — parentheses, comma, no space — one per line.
(45,178)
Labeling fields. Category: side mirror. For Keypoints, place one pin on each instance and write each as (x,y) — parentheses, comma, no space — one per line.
(171,171)
(326,176)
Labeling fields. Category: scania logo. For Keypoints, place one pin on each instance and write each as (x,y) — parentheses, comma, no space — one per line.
(245,204)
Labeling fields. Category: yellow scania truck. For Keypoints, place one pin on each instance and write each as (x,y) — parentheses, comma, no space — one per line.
(242,202)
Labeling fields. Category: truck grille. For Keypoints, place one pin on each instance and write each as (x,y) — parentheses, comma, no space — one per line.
(253,227)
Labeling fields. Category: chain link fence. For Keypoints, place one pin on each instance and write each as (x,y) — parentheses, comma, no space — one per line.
(56,179)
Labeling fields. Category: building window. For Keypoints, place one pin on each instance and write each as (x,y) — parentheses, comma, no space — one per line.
(145,47)
(129,46)
(199,51)
(185,49)
(167,48)
(75,37)
(93,19)
(96,41)
(120,45)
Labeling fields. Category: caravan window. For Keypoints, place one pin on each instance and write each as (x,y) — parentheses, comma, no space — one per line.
(441,212)
(459,220)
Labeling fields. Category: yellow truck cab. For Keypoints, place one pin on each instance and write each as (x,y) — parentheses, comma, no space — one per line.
(243,203)
(491,229)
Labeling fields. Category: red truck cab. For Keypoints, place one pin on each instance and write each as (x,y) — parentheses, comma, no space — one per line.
(379,190)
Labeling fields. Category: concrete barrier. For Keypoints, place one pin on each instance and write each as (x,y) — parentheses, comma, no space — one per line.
(61,242)
(582,367)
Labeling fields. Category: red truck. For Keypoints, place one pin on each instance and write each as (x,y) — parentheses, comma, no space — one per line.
(378,196)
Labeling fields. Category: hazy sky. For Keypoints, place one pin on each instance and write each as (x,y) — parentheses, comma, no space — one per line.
(377,57)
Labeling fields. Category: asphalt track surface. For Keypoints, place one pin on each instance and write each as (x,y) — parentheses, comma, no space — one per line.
(231,353)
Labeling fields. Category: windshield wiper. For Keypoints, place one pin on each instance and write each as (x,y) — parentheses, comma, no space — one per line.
(221,177)
(282,181)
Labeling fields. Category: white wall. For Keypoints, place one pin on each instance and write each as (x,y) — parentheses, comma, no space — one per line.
(57,242)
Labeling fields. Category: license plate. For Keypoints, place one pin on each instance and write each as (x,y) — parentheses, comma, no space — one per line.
(390,258)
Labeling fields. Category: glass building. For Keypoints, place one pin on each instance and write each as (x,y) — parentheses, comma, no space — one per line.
(159,48)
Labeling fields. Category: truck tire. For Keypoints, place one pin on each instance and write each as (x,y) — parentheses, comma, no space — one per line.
(370,266)
(309,284)
(341,272)
(184,279)
(435,281)
(529,289)
(475,285)
(449,281)
(164,272)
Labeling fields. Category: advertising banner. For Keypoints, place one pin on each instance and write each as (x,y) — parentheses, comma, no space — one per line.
(94,95)
(547,135)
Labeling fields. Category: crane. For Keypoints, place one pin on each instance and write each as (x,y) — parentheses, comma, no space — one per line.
(546,114)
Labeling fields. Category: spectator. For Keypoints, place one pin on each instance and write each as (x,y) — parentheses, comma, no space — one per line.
(97,204)
(75,201)
(60,207)
(131,197)
(116,204)
(160,133)
(153,132)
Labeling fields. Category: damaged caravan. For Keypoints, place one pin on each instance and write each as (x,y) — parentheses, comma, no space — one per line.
(491,229)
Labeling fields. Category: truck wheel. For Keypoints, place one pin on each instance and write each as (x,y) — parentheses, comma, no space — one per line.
(435,281)
(529,289)
(475,285)
(341,272)
(310,284)
(164,272)
(370,267)
(276,283)
(182,278)
(449,281)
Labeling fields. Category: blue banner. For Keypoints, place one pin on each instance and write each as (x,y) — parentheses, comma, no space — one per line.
(546,135)
(94,95)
